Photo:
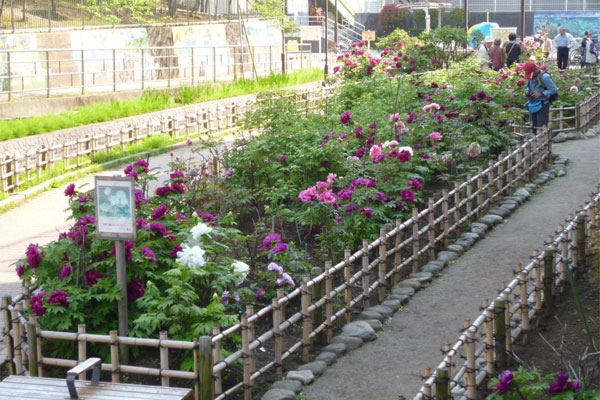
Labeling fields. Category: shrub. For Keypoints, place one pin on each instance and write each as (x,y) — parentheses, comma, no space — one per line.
(391,16)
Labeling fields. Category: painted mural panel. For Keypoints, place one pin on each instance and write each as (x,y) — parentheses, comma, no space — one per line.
(26,70)
(575,22)
(208,41)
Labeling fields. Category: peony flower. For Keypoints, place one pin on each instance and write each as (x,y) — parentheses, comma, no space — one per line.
(225,297)
(407,195)
(404,155)
(414,183)
(141,223)
(270,239)
(135,289)
(435,136)
(375,152)
(91,277)
(159,212)
(148,253)
(173,253)
(474,150)
(259,293)
(191,257)
(34,256)
(432,106)
(240,268)
(70,190)
(367,212)
(37,304)
(228,173)
(199,230)
(139,198)
(65,271)
(345,117)
(208,217)
(561,383)
(282,158)
(308,194)
(574,89)
(163,191)
(288,279)
(280,247)
(504,382)
(390,143)
(128,247)
(350,208)
(20,270)
(331,178)
(275,268)
(59,297)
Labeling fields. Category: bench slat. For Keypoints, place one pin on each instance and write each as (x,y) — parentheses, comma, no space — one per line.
(84,366)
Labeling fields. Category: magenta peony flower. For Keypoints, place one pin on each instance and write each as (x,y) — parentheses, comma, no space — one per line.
(504,382)
(414,183)
(148,253)
(91,277)
(407,195)
(404,156)
(435,136)
(383,198)
(176,176)
(308,194)
(228,173)
(259,293)
(275,268)
(135,289)
(34,256)
(128,247)
(37,304)
(139,198)
(367,212)
(208,217)
(163,191)
(20,270)
(280,247)
(59,297)
(70,190)
(282,158)
(177,187)
(159,212)
(561,383)
(345,117)
(350,208)
(174,251)
(158,228)
(141,223)
(65,271)
(269,239)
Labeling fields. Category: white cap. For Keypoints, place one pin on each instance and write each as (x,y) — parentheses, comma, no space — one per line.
(488,39)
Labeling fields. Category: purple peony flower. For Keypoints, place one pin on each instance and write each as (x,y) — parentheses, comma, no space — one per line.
(367,212)
(177,187)
(158,228)
(148,253)
(504,382)
(350,208)
(176,249)
(135,289)
(141,223)
(407,195)
(561,383)
(414,183)
(65,271)
(225,297)
(575,385)
(282,158)
(20,270)
(269,239)
(91,277)
(404,156)
(34,256)
(280,247)
(159,212)
(259,293)
(163,191)
(139,198)
(70,190)
(275,268)
(383,198)
(83,199)
(288,280)
(228,173)
(37,304)
(59,297)
(208,217)
(177,176)
(345,117)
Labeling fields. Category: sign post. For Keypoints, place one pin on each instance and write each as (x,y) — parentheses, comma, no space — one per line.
(115,220)
(368,36)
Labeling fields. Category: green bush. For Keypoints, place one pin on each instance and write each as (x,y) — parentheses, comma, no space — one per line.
(456,18)
(391,16)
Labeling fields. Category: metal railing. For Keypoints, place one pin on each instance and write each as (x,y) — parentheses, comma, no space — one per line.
(48,72)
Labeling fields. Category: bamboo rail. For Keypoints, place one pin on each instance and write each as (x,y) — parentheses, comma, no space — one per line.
(526,305)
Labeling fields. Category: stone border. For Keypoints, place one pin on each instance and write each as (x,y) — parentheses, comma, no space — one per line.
(355,333)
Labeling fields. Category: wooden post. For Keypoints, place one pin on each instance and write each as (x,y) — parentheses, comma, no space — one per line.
(442,387)
(574,250)
(348,288)
(251,337)
(479,193)
(519,172)
(206,368)
(164,358)
(38,345)
(397,254)
(278,336)
(456,208)
(306,322)
(431,229)
(81,350)
(6,300)
(382,263)
(17,342)
(427,385)
(500,183)
(31,347)
(122,305)
(445,219)
(471,372)
(415,240)
(548,279)
(488,327)
(500,334)
(246,359)
(524,309)
(581,241)
(114,356)
(469,198)
(447,349)
(537,270)
(507,319)
(217,356)
(365,275)
(317,294)
(491,183)
(328,302)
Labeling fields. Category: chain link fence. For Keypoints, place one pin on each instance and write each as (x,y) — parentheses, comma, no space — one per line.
(530,5)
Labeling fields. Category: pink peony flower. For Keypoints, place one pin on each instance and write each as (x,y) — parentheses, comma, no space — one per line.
(308,194)
(435,136)
(375,152)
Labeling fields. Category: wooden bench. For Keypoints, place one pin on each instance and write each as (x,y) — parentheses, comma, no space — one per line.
(28,387)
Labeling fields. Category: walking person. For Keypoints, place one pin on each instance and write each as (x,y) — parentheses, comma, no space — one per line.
(563,42)
(483,54)
(591,52)
(547,45)
(497,55)
(513,50)
(583,49)
(541,92)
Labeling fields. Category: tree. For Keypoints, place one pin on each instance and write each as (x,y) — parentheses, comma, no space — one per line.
(456,18)
(419,18)
(391,16)
(273,10)
(123,11)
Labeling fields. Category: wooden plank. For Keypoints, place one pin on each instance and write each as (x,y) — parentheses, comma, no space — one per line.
(84,366)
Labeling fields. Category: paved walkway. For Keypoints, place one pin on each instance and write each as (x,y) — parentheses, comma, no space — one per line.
(392,365)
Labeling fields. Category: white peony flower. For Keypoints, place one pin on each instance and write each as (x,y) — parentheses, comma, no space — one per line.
(192,257)
(240,268)
(199,230)
(407,148)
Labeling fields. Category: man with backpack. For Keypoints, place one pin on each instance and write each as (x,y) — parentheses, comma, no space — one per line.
(541,92)
(513,50)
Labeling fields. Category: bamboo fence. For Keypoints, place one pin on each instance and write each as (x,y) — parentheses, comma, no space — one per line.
(486,341)
(17,170)
(306,316)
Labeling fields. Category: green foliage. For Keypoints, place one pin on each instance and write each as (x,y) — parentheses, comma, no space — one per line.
(391,16)
(456,18)
(449,41)
(419,19)
(122,11)
(273,10)
(398,35)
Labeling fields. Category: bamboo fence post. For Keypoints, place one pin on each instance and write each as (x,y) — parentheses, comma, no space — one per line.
(470,370)
(246,359)
(317,294)
(114,356)
(348,287)
(456,208)
(31,347)
(573,245)
(81,349)
(196,371)
(278,338)
(365,273)
(164,357)
(500,182)
(382,263)
(500,333)
(592,216)
(447,349)
(564,254)
(38,345)
(445,219)
(328,302)
(22,333)
(537,270)
(251,337)
(431,229)
(427,385)
(524,308)
(442,387)
(306,322)
(527,160)
(491,183)
(415,240)
(27,294)
(519,172)
(509,170)
(507,319)
(581,241)
(397,254)
(6,300)
(548,279)
(17,340)
(488,327)
(217,355)
(479,192)
(469,197)
(206,368)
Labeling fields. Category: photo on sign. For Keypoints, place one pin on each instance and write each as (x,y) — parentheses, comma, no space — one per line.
(115,208)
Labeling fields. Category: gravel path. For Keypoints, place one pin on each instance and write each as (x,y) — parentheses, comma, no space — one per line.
(392,365)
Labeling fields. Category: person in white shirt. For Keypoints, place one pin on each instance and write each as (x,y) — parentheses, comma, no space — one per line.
(483,54)
(563,42)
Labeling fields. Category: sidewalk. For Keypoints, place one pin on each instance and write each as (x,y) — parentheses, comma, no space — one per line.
(434,316)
